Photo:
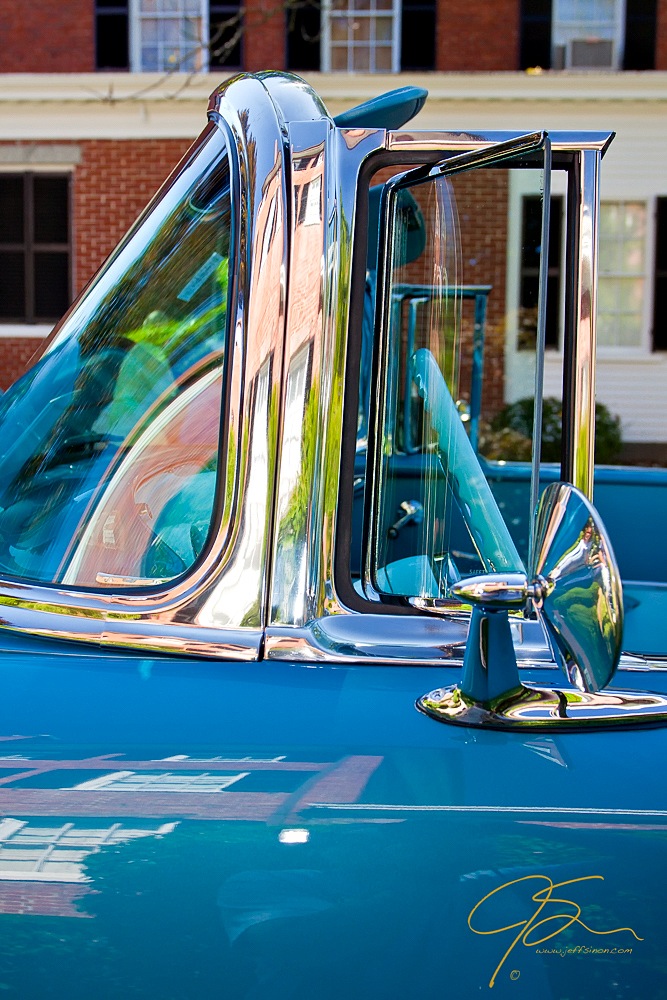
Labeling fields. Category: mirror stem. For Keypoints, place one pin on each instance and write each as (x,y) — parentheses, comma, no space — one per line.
(489,637)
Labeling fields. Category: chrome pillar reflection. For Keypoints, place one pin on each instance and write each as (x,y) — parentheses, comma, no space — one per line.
(579,369)
(325,164)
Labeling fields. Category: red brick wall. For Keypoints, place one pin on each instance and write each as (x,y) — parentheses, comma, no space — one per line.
(112,185)
(264,41)
(15,353)
(42,899)
(47,36)
(478,36)
(481,199)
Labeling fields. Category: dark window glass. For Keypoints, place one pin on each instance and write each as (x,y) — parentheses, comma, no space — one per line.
(535,34)
(11,208)
(225,35)
(531,230)
(112,34)
(12,285)
(640,30)
(660,294)
(303,36)
(418,35)
(35,256)
(51,209)
(51,284)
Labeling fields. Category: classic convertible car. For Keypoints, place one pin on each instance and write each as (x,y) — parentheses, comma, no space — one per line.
(297,701)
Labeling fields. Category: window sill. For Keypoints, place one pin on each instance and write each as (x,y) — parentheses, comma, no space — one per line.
(28,330)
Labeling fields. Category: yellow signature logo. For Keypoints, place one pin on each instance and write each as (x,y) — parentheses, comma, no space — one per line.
(552,916)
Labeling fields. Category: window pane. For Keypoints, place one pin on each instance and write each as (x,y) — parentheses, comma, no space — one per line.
(383,59)
(339,29)
(631,295)
(361,29)
(632,257)
(11,209)
(660,291)
(361,59)
(384,29)
(12,285)
(418,37)
(622,266)
(531,249)
(362,34)
(51,205)
(149,30)
(303,38)
(51,285)
(111,42)
(149,59)
(170,30)
(225,36)
(445,325)
(339,59)
(109,478)
(608,300)
(640,35)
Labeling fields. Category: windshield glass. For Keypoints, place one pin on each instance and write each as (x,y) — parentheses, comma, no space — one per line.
(100,449)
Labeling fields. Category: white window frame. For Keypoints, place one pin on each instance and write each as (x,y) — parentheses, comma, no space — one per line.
(37,853)
(643,348)
(567,30)
(200,47)
(163,782)
(351,14)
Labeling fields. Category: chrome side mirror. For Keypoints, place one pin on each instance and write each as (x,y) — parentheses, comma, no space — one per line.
(574,585)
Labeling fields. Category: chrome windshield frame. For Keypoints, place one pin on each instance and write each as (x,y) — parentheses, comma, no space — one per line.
(218,608)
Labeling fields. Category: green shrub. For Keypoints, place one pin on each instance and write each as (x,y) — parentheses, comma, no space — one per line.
(518,417)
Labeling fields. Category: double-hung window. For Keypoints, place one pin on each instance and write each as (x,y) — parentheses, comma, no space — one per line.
(622,282)
(587,34)
(35,247)
(172,35)
(361,36)
(162,36)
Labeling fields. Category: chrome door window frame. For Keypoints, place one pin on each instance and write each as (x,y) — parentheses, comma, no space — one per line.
(328,621)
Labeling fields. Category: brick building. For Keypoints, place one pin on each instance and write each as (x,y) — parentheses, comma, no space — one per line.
(98,100)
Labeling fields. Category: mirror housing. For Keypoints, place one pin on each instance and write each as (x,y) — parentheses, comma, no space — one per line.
(574,586)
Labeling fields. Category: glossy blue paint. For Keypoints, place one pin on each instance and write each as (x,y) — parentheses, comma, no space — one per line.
(347,858)
(187,828)
(623,496)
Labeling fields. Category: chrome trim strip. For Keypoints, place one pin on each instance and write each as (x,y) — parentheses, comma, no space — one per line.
(561,142)
(302,588)
(579,365)
(555,810)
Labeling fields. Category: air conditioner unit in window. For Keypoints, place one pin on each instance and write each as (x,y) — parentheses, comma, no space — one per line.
(596,53)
